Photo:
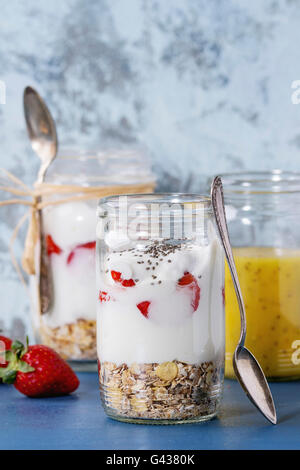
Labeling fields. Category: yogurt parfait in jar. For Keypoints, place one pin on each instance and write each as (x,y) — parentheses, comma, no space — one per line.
(160,325)
(74,183)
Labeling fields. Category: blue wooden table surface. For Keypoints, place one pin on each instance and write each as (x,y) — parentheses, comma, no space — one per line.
(78,422)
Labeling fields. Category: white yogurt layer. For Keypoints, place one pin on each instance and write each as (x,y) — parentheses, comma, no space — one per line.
(71,225)
(173,328)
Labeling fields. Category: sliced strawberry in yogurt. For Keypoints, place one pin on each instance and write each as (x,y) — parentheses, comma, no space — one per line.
(86,246)
(103,296)
(128,283)
(144,307)
(52,247)
(189,281)
(117,277)
(70,257)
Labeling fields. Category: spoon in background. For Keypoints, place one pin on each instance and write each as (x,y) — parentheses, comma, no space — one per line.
(246,367)
(42,134)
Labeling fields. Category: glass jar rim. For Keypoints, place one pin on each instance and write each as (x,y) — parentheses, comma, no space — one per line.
(103,153)
(261,182)
(159,198)
(152,198)
(103,167)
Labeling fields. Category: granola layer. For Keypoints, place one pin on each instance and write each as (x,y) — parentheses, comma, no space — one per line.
(73,341)
(171,390)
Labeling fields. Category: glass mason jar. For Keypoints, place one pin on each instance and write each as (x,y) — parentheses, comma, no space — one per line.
(69,326)
(264,227)
(160,320)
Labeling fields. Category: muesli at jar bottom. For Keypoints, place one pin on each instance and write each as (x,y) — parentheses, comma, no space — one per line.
(167,391)
(73,341)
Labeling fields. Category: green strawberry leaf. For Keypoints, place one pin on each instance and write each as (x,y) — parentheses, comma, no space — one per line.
(18,348)
(17,345)
(15,364)
(22,366)
(9,377)
(9,356)
(6,356)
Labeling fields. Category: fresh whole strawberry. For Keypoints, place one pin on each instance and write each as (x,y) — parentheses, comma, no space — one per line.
(5,345)
(38,371)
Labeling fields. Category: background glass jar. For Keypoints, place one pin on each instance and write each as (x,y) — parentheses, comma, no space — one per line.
(264,226)
(69,326)
(160,324)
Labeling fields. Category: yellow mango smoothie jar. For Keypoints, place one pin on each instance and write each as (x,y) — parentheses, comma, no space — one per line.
(263,212)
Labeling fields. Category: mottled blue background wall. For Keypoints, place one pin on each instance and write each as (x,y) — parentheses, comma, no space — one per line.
(205,84)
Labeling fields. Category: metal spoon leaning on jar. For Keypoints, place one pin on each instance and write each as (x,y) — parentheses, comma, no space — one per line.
(246,367)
